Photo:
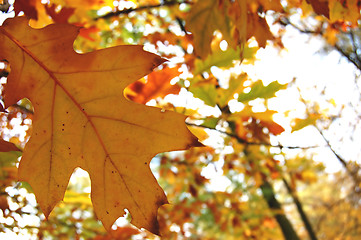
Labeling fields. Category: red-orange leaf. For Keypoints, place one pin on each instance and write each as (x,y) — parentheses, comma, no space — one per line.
(26,6)
(61,16)
(320,7)
(157,85)
(81,119)
(7,146)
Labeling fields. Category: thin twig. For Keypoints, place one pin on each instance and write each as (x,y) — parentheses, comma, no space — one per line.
(141,8)
(243,141)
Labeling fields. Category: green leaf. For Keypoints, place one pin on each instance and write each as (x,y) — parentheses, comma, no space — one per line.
(8,159)
(205,92)
(210,122)
(223,59)
(235,86)
(258,90)
(218,58)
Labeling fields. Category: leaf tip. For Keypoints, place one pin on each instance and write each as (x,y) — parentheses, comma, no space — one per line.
(158,61)
(195,143)
(46,213)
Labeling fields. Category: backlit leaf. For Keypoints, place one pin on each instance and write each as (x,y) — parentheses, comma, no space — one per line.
(203,19)
(299,123)
(265,119)
(348,10)
(157,85)
(206,92)
(320,7)
(83,120)
(258,90)
(235,86)
(61,16)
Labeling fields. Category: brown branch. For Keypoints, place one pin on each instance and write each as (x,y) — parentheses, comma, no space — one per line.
(243,141)
(269,195)
(142,8)
(347,56)
(300,210)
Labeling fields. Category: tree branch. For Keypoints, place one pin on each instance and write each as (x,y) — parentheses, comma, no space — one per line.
(347,55)
(142,8)
(302,213)
(286,226)
(355,61)
(243,141)
(353,173)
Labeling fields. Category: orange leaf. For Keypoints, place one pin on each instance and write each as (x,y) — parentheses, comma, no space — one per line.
(274,5)
(119,234)
(273,127)
(83,120)
(259,28)
(61,16)
(158,85)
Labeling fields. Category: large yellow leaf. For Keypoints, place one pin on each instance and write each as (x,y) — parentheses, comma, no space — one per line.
(83,120)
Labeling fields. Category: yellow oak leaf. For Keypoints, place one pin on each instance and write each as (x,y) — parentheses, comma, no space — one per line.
(81,119)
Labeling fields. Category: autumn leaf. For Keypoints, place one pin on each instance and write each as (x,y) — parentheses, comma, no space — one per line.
(83,120)
(320,7)
(347,11)
(158,85)
(119,234)
(205,91)
(298,123)
(89,4)
(218,58)
(61,16)
(7,146)
(265,120)
(26,6)
(201,22)
(235,85)
(266,5)
(204,18)
(258,90)
(259,29)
